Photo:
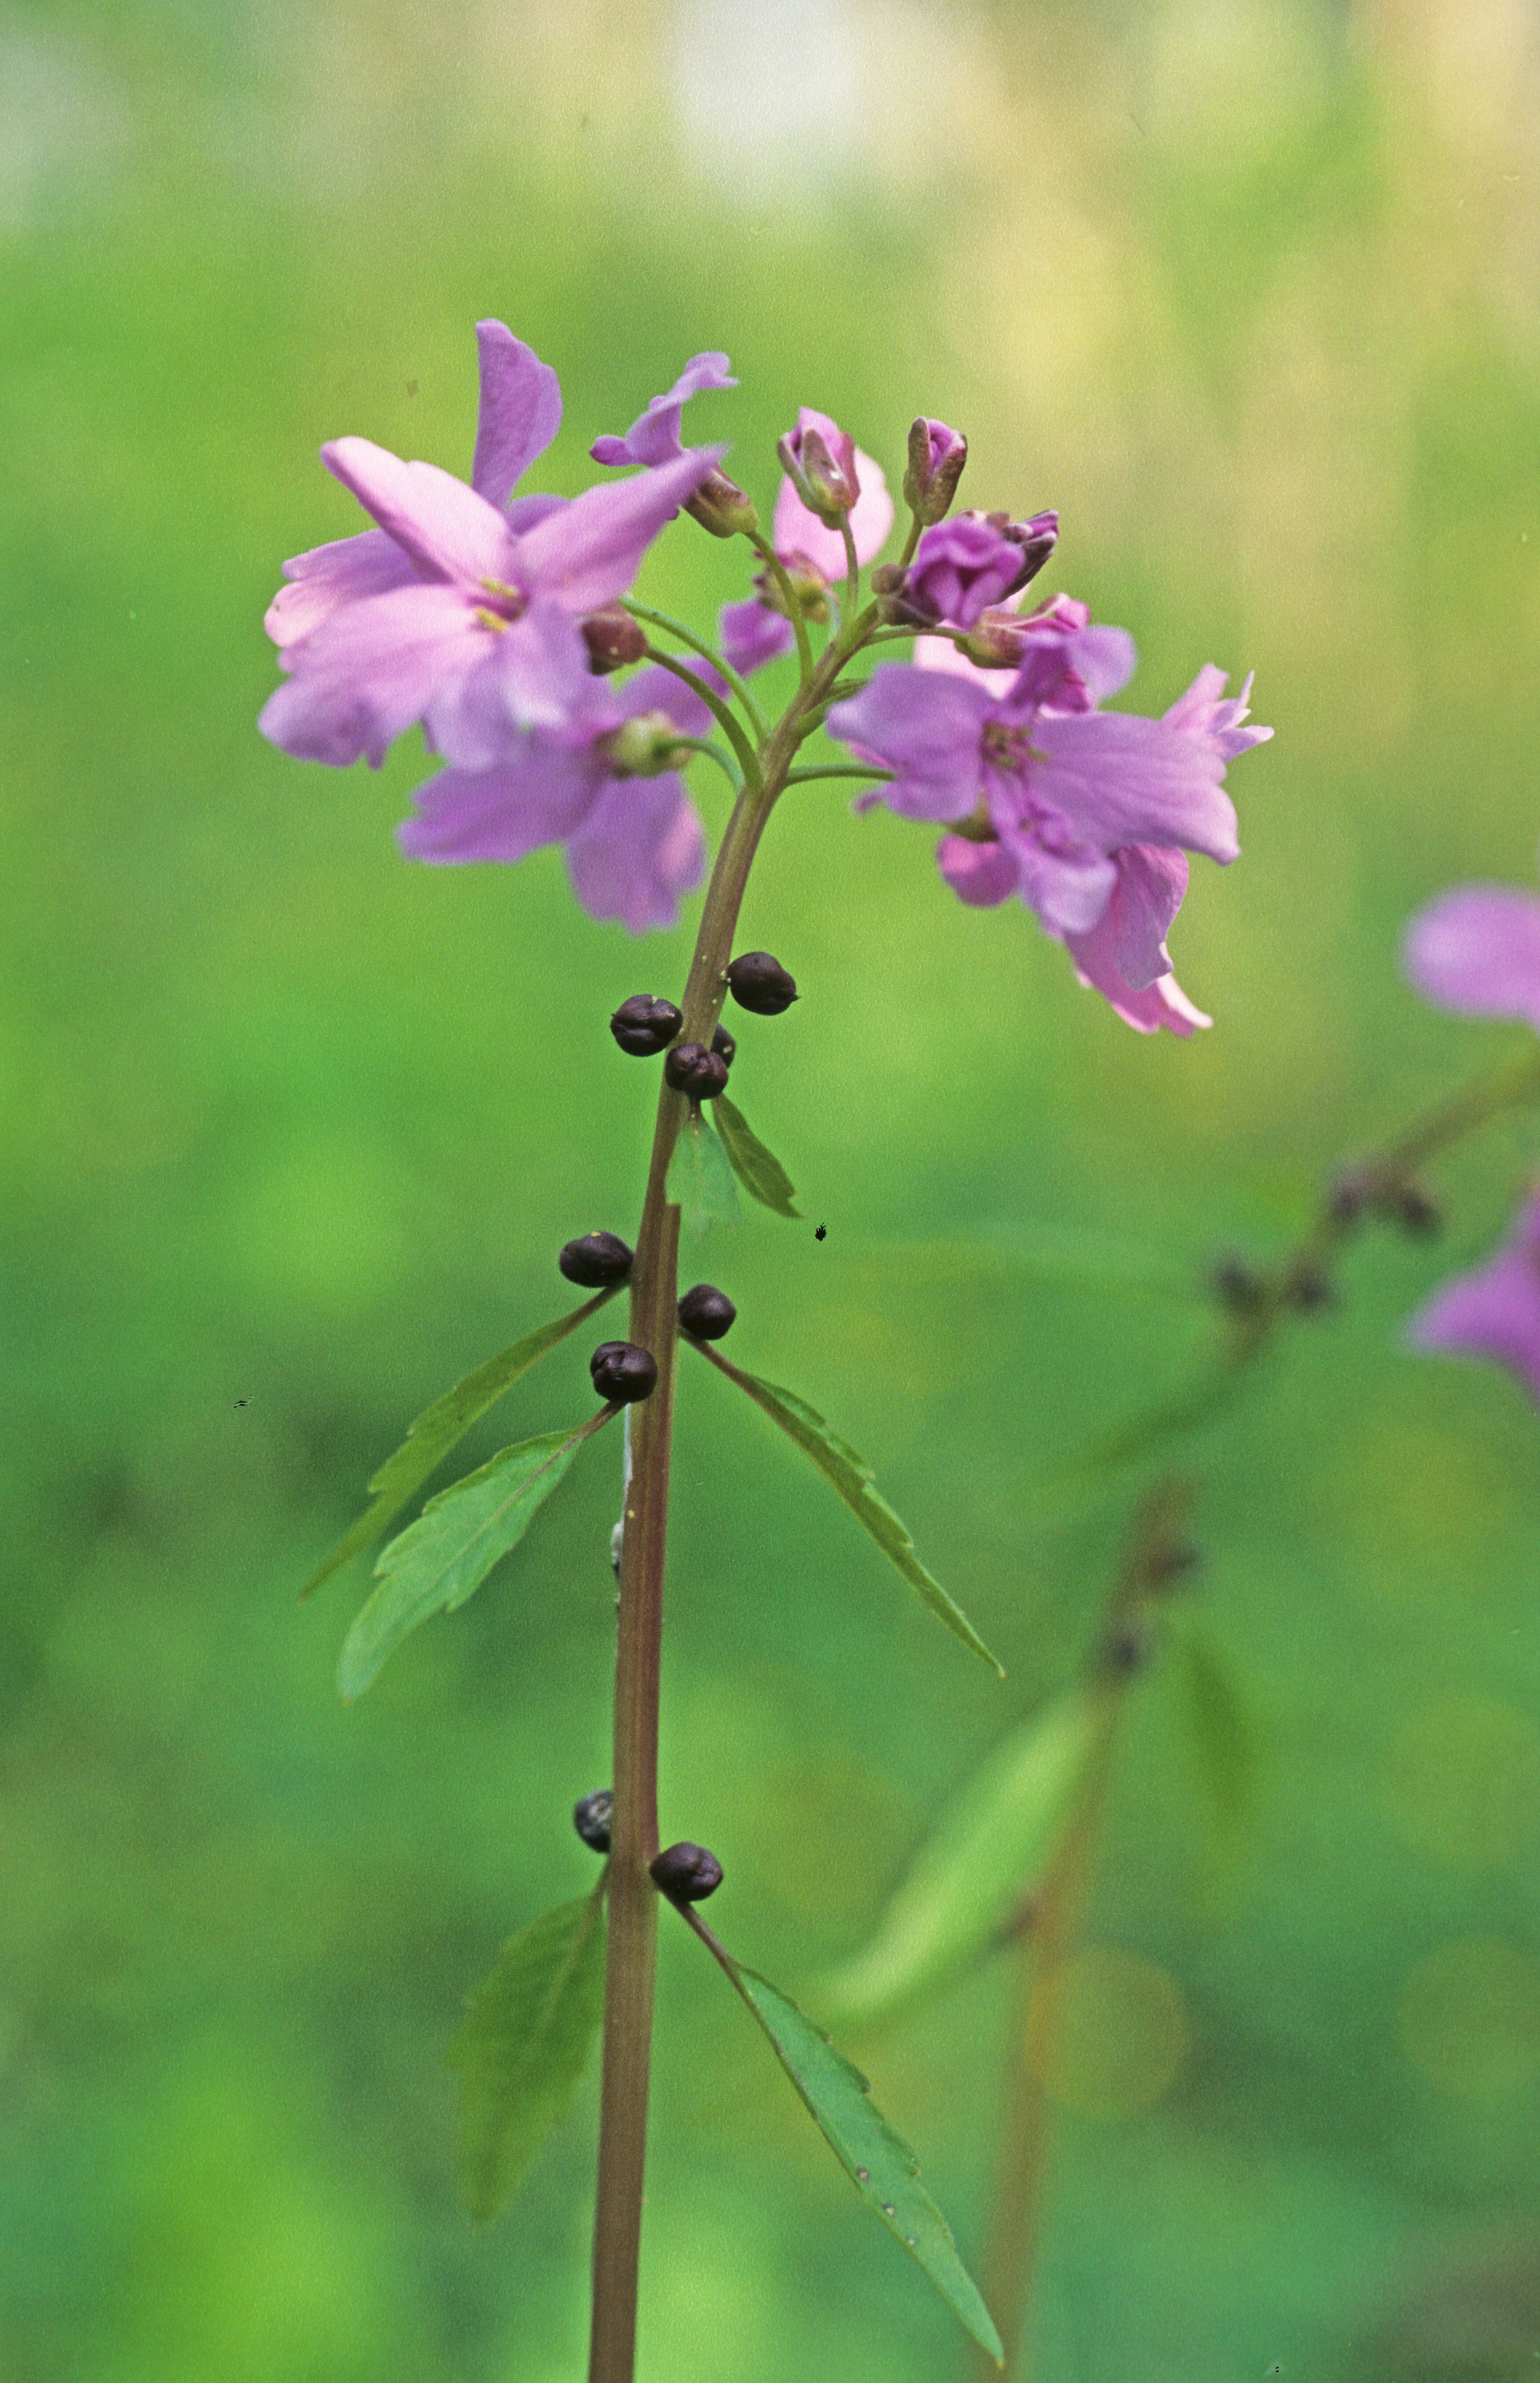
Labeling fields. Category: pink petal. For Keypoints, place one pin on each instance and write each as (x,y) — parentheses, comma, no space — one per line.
(979,874)
(1069,891)
(638,850)
(1493,1311)
(371,670)
(540,795)
(927,727)
(655,439)
(326,576)
(752,635)
(448,531)
(1130,935)
(797,531)
(1121,780)
(1477,949)
(590,552)
(520,414)
(1202,712)
(533,674)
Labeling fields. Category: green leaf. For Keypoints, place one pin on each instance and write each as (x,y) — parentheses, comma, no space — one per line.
(981,1862)
(447,1553)
(851,1476)
(878,2161)
(700,1178)
(757,1168)
(1218,1727)
(441,1427)
(524,2044)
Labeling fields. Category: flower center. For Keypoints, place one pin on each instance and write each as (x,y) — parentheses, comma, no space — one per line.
(1008,749)
(506,605)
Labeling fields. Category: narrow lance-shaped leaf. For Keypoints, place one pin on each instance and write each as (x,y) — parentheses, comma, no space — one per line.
(524,2044)
(980,1864)
(1218,1726)
(441,1427)
(878,2161)
(851,1476)
(700,1180)
(757,1170)
(449,1551)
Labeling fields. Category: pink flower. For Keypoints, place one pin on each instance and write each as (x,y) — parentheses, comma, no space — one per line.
(1477,949)
(1087,816)
(1493,1311)
(600,784)
(457,612)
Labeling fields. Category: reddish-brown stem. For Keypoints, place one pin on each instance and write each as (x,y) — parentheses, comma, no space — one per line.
(631,1958)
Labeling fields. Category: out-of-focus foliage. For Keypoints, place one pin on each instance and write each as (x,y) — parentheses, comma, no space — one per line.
(292,1133)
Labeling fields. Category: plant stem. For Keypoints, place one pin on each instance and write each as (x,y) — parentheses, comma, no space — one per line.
(1046,1940)
(631,1958)
(1156,1557)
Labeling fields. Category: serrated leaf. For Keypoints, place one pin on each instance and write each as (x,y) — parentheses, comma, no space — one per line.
(700,1177)
(757,1170)
(441,1427)
(877,2160)
(1218,1727)
(520,2050)
(445,1554)
(981,1863)
(851,1476)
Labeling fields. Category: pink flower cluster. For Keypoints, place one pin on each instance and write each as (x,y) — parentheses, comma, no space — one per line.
(490,619)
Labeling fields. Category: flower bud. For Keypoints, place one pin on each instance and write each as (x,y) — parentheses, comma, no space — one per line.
(720,506)
(597,1261)
(1238,1287)
(809,586)
(998,639)
(1127,1649)
(643,1025)
(936,460)
(622,1373)
(964,566)
(591,1816)
(1415,1209)
(1308,1286)
(819,459)
(613,638)
(687,1873)
(725,1045)
(705,1312)
(757,981)
(690,1067)
(645,747)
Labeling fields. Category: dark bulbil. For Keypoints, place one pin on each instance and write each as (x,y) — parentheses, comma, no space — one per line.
(687,1873)
(690,1067)
(724,1045)
(643,1025)
(707,1312)
(613,639)
(595,1261)
(591,1818)
(757,981)
(624,1373)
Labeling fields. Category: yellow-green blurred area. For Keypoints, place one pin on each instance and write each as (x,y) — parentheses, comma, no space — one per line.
(293,1132)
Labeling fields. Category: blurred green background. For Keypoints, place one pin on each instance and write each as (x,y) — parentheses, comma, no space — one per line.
(293,1132)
